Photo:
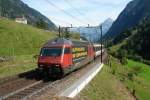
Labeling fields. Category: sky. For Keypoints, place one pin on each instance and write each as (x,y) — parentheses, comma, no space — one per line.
(78,12)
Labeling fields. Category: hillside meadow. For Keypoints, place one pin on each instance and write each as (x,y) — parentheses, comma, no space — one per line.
(19,43)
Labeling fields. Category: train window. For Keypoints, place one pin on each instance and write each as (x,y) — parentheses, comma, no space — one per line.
(51,52)
(97,48)
(67,51)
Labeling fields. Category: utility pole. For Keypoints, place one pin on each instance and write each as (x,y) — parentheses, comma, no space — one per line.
(101,42)
(88,25)
(0,8)
(59,29)
(71,26)
(66,35)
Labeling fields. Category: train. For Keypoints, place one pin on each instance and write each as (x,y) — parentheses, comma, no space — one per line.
(59,57)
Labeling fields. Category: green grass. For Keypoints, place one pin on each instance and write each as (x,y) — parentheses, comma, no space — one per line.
(20,39)
(141,82)
(20,64)
(145,69)
(105,86)
(110,83)
(21,42)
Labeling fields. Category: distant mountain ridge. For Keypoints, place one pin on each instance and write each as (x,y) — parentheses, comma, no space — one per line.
(16,8)
(106,25)
(135,13)
(94,33)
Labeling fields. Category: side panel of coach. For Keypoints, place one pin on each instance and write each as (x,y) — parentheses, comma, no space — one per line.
(79,53)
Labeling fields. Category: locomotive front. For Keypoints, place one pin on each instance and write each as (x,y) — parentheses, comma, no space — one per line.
(54,57)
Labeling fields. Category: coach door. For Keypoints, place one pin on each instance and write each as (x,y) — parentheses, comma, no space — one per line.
(67,56)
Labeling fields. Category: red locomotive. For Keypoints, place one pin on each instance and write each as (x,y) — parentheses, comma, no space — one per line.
(60,56)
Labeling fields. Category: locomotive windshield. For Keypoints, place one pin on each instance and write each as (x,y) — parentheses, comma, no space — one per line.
(55,52)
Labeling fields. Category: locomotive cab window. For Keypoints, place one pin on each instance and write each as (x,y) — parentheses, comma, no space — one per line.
(67,51)
(54,52)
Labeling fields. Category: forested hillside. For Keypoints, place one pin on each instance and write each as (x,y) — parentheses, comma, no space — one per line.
(134,43)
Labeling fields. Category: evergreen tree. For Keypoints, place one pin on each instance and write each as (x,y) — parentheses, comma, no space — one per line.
(42,24)
(67,34)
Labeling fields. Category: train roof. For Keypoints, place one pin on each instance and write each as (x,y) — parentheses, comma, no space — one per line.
(63,41)
(57,42)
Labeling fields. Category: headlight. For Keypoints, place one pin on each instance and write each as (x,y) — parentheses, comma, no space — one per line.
(41,65)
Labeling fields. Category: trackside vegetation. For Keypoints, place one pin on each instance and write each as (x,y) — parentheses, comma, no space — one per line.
(105,86)
(133,44)
(132,78)
(135,76)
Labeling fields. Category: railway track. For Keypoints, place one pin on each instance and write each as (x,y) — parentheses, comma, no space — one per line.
(28,86)
(17,93)
(52,93)
(13,85)
(31,90)
(29,74)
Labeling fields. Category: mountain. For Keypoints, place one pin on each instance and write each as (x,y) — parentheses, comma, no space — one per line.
(106,25)
(16,9)
(135,13)
(93,33)
(133,43)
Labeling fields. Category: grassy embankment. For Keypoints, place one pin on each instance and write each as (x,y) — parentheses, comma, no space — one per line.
(110,83)
(105,86)
(20,43)
(141,82)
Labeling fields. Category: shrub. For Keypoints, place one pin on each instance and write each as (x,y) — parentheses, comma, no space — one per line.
(130,76)
(136,70)
(146,62)
(136,58)
(122,53)
(113,71)
(123,61)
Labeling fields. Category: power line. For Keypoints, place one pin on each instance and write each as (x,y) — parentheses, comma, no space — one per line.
(0,8)
(83,15)
(65,12)
(60,20)
(73,7)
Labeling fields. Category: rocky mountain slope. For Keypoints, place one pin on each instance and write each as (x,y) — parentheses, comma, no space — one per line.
(16,8)
(135,13)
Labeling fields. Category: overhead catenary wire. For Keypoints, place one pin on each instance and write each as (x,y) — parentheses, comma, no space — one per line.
(67,1)
(60,20)
(80,13)
(65,12)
